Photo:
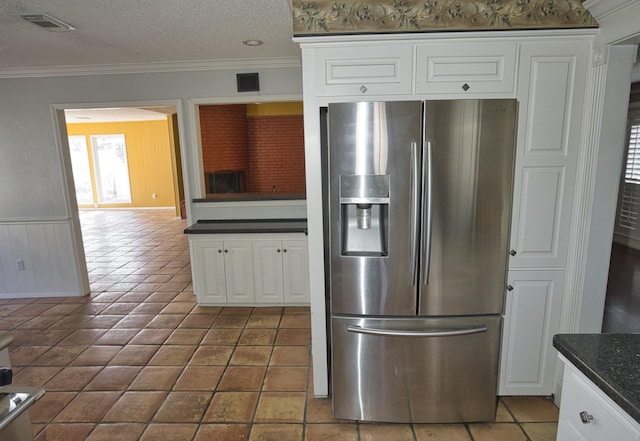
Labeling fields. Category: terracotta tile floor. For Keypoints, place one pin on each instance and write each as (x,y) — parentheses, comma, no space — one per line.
(139,360)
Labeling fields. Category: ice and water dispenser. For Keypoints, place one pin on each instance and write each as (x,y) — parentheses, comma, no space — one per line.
(364,204)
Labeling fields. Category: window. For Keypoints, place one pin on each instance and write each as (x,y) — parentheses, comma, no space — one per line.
(630,199)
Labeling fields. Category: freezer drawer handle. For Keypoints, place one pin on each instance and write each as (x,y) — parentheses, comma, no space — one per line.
(404,333)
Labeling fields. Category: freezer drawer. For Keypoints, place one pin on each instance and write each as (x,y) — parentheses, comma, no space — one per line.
(415,370)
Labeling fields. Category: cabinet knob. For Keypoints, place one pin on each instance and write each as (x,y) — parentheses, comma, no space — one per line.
(509,288)
(585,417)
(284,250)
(219,251)
(513,252)
(278,250)
(466,87)
(363,89)
(226,251)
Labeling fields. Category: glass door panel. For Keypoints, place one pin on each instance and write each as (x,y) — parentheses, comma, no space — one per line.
(81,169)
(111,169)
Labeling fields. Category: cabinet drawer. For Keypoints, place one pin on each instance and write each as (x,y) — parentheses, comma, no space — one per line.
(468,68)
(361,71)
(608,421)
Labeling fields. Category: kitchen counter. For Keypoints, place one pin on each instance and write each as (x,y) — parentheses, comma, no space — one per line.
(248,226)
(243,197)
(610,361)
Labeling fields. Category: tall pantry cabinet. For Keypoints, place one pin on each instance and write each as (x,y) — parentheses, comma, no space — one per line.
(545,71)
(550,92)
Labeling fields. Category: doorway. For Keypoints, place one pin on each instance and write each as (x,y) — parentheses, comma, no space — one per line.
(622,301)
(125,157)
(148,162)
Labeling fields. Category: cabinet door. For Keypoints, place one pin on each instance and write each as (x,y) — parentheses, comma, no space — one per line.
(364,70)
(466,68)
(532,317)
(238,266)
(550,91)
(295,270)
(209,272)
(605,419)
(267,261)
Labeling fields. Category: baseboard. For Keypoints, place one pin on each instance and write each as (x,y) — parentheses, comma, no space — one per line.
(626,241)
(32,295)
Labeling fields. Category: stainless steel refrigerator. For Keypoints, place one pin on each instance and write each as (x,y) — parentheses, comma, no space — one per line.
(418,210)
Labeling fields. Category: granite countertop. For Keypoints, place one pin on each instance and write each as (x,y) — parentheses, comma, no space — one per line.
(248,226)
(611,361)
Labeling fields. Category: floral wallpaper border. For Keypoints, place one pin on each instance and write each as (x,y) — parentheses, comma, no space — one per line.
(375,16)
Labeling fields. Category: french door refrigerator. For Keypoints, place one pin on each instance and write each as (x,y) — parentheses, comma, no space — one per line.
(419,201)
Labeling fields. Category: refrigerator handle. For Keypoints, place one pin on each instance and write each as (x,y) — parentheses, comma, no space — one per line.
(427,202)
(426,333)
(413,217)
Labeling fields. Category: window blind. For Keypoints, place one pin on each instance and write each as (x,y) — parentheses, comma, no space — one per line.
(630,202)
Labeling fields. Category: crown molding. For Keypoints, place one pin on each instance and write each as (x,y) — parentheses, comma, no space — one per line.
(128,68)
(618,20)
(601,9)
(445,35)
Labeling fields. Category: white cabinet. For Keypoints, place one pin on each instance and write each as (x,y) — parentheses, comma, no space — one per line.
(546,73)
(551,88)
(532,315)
(281,271)
(587,414)
(364,70)
(235,271)
(466,68)
(223,271)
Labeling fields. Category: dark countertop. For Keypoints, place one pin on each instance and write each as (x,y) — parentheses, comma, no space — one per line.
(251,197)
(248,226)
(611,361)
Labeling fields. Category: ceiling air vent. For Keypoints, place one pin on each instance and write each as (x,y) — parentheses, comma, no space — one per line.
(48,22)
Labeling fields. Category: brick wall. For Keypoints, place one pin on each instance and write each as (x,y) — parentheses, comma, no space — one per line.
(223,133)
(276,152)
(270,149)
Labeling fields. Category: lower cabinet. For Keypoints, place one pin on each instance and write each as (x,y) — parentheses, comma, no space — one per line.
(281,271)
(587,414)
(532,317)
(223,271)
(237,271)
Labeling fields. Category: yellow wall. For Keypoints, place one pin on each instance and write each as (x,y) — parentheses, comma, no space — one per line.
(148,156)
(275,109)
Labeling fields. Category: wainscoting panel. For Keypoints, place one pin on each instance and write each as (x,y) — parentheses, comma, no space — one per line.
(37,259)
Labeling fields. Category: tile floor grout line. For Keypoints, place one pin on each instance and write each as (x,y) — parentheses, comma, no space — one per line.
(114,288)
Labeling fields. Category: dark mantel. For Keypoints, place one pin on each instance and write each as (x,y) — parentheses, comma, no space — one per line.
(245,197)
(245,226)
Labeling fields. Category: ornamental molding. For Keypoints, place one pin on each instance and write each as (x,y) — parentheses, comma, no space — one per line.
(318,17)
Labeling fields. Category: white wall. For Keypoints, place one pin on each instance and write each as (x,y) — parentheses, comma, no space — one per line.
(33,186)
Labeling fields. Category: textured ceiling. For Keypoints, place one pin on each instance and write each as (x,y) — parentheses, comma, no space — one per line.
(144,31)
